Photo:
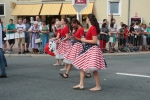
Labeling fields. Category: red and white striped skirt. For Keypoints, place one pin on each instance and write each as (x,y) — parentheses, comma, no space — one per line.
(73,53)
(62,49)
(90,60)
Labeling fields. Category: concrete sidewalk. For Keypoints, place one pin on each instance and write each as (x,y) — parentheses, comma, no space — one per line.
(105,54)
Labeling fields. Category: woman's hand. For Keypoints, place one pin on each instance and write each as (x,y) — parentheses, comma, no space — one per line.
(83,39)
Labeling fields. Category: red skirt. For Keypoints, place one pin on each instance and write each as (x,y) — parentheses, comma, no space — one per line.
(90,60)
(62,49)
(51,47)
(73,53)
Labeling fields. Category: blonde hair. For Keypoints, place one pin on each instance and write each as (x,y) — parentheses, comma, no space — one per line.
(58,23)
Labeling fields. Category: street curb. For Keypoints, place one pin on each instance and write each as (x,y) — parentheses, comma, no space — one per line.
(45,55)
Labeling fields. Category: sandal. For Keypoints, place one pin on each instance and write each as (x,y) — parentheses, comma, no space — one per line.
(95,89)
(78,87)
(63,75)
(88,75)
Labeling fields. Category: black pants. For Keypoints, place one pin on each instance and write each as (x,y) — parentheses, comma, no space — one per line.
(148,41)
(138,41)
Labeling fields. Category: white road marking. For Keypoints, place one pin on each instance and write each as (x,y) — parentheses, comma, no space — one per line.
(136,75)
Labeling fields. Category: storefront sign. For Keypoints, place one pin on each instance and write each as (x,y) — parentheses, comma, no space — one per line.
(80,2)
(80,5)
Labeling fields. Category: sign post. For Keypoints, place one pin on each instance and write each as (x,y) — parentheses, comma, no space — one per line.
(79,6)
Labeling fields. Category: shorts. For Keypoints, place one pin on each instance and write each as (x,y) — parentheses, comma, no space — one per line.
(21,40)
(114,39)
(12,41)
(27,40)
(148,41)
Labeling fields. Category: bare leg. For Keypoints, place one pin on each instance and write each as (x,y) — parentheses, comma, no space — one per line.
(57,62)
(65,67)
(27,46)
(81,78)
(81,84)
(11,46)
(97,81)
(67,72)
(19,47)
(68,68)
(23,48)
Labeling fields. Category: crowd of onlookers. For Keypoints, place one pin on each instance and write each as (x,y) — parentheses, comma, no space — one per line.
(135,37)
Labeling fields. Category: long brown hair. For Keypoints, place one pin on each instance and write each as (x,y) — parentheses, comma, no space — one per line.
(94,22)
(75,21)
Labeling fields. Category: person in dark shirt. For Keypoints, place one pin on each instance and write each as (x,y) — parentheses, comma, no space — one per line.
(131,37)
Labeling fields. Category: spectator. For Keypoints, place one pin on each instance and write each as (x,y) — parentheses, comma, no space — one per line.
(27,37)
(2,56)
(104,21)
(131,37)
(38,20)
(111,18)
(126,34)
(45,32)
(3,36)
(121,38)
(53,26)
(35,35)
(148,38)
(137,36)
(11,30)
(112,39)
(144,43)
(21,28)
(103,37)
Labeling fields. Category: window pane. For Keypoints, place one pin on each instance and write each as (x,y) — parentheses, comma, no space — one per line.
(114,7)
(1,9)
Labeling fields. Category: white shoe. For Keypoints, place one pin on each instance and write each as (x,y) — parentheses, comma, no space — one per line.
(63,69)
(7,51)
(62,63)
(56,64)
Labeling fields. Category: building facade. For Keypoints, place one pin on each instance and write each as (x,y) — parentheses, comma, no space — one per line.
(126,11)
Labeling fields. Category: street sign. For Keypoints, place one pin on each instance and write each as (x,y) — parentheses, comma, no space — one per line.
(80,5)
(80,2)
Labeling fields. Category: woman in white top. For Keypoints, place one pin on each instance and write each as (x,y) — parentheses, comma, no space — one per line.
(144,31)
(112,39)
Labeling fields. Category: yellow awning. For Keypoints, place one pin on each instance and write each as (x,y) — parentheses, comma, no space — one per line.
(17,10)
(27,9)
(51,9)
(88,10)
(68,9)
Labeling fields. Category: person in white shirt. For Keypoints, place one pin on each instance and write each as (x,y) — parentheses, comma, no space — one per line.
(38,20)
(2,62)
(21,28)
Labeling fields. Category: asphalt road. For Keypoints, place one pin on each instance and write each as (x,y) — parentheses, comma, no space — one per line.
(35,78)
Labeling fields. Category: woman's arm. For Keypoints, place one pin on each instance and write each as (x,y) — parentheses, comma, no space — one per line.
(58,35)
(78,39)
(53,28)
(93,41)
(66,38)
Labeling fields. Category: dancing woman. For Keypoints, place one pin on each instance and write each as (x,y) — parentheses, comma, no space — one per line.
(51,47)
(76,47)
(91,58)
(65,44)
